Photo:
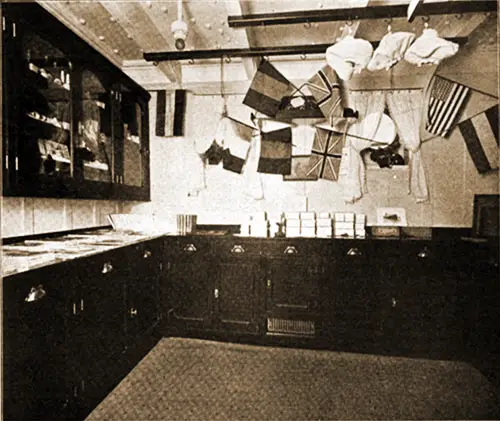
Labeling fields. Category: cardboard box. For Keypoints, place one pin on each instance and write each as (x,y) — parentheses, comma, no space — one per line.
(292,223)
(292,215)
(349,217)
(324,222)
(293,231)
(308,232)
(323,215)
(339,217)
(344,225)
(360,218)
(307,215)
(308,223)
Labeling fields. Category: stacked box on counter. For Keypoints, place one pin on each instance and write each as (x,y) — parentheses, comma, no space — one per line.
(344,225)
(324,225)
(360,225)
(292,224)
(259,225)
(307,224)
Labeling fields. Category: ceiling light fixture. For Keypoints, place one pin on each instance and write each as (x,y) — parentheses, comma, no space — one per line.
(179,28)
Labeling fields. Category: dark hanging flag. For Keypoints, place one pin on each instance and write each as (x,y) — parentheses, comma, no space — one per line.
(446,101)
(237,138)
(267,89)
(326,155)
(276,152)
(325,88)
(480,134)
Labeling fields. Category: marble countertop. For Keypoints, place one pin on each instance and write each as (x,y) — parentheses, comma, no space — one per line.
(31,254)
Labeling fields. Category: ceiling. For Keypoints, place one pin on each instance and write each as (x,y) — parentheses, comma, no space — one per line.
(124,30)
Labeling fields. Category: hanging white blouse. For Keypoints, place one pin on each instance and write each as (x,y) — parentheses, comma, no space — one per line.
(349,55)
(391,50)
(430,48)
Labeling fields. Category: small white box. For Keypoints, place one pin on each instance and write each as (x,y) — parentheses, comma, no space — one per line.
(259,229)
(360,218)
(307,215)
(339,217)
(293,231)
(359,227)
(308,223)
(323,215)
(324,222)
(308,232)
(292,223)
(292,215)
(344,225)
(359,234)
(324,232)
(349,217)
(344,233)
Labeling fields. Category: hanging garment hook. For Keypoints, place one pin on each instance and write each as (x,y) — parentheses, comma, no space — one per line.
(307,25)
(303,56)
(426,20)
(228,59)
(388,21)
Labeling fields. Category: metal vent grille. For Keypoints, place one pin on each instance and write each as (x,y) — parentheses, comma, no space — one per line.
(290,327)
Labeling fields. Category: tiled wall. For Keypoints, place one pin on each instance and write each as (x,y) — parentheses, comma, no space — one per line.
(26,216)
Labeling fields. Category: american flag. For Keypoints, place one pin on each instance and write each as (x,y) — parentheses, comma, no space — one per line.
(446,101)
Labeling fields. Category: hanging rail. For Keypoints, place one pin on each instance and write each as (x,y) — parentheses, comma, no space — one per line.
(253,52)
(357,13)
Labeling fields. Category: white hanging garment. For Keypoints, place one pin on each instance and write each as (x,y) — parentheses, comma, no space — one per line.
(391,50)
(349,55)
(430,48)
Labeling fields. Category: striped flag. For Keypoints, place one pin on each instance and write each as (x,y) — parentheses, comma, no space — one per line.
(325,88)
(267,89)
(276,152)
(480,134)
(326,155)
(446,100)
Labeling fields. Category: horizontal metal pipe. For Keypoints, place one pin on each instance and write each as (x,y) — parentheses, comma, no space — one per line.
(358,13)
(252,52)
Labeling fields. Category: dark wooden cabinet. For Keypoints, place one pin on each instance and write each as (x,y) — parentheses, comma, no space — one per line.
(37,308)
(294,274)
(213,284)
(188,282)
(237,287)
(421,299)
(73,330)
(74,124)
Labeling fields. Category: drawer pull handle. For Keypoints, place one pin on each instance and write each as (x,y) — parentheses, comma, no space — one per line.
(216,293)
(35,294)
(354,251)
(237,249)
(393,302)
(190,248)
(291,250)
(107,267)
(133,312)
(424,253)
(147,254)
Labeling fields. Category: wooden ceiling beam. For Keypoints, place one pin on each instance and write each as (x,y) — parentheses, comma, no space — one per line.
(132,17)
(361,13)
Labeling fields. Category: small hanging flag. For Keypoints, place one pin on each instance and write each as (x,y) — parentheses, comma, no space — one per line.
(480,134)
(325,88)
(276,152)
(267,89)
(237,140)
(326,155)
(446,101)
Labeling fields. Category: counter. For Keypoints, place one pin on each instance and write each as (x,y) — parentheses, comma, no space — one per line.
(27,255)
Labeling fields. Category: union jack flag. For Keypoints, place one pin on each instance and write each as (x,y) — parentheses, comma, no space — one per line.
(326,155)
(326,90)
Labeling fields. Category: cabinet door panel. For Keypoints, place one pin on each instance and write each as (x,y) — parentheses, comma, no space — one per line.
(189,294)
(102,305)
(37,305)
(236,302)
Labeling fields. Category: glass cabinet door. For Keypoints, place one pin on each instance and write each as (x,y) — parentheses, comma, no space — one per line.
(133,135)
(45,109)
(93,143)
